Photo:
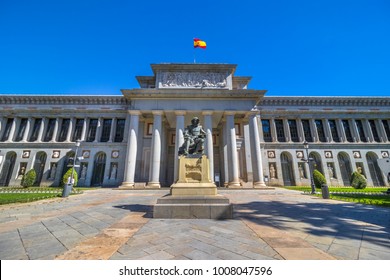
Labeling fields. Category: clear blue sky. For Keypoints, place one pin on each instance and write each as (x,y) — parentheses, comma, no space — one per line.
(311,47)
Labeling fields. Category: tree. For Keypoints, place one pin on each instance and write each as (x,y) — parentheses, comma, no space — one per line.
(29,178)
(318,178)
(358,181)
(67,175)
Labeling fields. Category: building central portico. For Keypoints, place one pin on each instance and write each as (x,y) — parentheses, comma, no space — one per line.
(168,101)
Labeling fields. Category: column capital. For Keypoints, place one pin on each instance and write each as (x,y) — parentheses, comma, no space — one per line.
(134,112)
(207,113)
(158,112)
(180,113)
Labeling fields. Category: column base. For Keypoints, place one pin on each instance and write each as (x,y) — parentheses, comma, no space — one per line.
(259,185)
(234,185)
(127,185)
(153,185)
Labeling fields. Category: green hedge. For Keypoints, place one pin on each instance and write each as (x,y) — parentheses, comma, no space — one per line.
(319,179)
(358,181)
(67,175)
(29,178)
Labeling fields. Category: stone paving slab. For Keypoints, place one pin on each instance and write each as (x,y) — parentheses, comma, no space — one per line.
(268,224)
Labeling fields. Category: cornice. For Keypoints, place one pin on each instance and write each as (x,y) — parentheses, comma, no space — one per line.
(63,100)
(330,101)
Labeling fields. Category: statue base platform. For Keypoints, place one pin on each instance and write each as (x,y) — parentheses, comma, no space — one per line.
(194,196)
(193,207)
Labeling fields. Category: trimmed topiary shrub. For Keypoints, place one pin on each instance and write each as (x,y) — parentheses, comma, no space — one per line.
(358,181)
(319,179)
(29,178)
(67,175)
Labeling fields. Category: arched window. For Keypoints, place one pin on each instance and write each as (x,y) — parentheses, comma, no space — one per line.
(287,169)
(8,168)
(99,167)
(39,166)
(345,168)
(375,171)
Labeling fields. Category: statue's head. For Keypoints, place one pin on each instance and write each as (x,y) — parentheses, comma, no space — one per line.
(195,120)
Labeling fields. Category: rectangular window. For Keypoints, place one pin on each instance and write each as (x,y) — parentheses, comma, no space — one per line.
(64,130)
(320,130)
(120,130)
(360,129)
(307,130)
(387,128)
(266,130)
(35,130)
(347,130)
(92,130)
(293,130)
(106,130)
(50,130)
(7,129)
(21,130)
(374,130)
(280,130)
(78,130)
(333,130)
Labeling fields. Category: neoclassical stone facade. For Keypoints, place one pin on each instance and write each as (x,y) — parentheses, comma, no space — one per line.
(131,140)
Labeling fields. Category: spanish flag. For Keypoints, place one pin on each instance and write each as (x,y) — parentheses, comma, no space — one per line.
(199,43)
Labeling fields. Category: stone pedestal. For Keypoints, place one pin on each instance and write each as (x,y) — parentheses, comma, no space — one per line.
(194,196)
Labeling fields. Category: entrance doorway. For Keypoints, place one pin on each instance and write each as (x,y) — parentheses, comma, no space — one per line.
(287,169)
(39,167)
(345,168)
(98,169)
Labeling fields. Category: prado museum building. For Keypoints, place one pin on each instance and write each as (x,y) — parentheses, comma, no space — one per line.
(132,140)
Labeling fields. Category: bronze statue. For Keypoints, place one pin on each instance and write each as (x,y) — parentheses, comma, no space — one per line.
(194,136)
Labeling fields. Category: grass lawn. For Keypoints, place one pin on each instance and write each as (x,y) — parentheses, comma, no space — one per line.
(371,196)
(20,195)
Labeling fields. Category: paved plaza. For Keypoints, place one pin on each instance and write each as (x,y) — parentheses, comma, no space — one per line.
(268,224)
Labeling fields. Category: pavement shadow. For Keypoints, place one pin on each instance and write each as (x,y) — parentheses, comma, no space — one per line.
(138,208)
(345,221)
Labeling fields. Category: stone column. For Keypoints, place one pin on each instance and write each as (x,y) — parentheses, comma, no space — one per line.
(112,130)
(179,141)
(27,130)
(55,130)
(225,153)
(301,133)
(274,135)
(209,147)
(313,129)
(155,159)
(70,129)
(381,130)
(131,156)
(42,129)
(2,120)
(234,180)
(98,130)
(287,133)
(84,130)
(257,164)
(328,133)
(12,130)
(367,130)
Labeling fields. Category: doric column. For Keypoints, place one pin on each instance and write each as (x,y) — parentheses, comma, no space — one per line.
(179,141)
(287,132)
(381,130)
(27,130)
(55,130)
(131,155)
(98,130)
(84,130)
(234,180)
(354,130)
(2,122)
(301,133)
(274,135)
(42,129)
(367,128)
(328,133)
(112,130)
(155,159)
(257,164)
(70,129)
(225,153)
(340,127)
(208,127)
(313,128)
(126,130)
(12,130)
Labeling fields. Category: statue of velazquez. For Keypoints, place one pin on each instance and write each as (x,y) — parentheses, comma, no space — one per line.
(194,136)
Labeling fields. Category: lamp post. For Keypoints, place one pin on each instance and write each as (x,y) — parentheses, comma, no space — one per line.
(68,187)
(306,146)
